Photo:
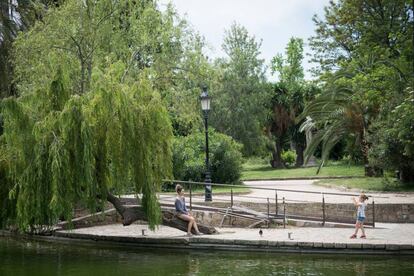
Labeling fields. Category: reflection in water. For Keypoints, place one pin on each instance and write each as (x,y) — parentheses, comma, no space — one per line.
(194,267)
(360,269)
(37,258)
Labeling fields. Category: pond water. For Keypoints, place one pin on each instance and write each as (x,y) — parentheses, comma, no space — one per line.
(24,257)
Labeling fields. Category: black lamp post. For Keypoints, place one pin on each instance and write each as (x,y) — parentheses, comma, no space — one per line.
(205,106)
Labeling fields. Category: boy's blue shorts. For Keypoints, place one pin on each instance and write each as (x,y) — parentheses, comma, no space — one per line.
(360,219)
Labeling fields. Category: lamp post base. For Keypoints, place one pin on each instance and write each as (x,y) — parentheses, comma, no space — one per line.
(208,188)
(208,196)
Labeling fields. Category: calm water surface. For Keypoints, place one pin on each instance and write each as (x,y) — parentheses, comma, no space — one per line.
(22,257)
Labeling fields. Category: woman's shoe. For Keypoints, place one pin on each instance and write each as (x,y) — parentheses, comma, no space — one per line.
(199,234)
(189,234)
(363,237)
(353,236)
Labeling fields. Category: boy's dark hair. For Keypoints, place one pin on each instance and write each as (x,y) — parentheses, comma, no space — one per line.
(178,188)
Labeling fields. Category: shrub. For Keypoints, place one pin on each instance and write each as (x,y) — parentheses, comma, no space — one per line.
(189,158)
(289,158)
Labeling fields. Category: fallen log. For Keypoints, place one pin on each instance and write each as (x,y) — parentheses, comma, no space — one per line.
(131,214)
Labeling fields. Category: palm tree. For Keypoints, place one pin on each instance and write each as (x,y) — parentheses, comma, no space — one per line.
(280,120)
(330,118)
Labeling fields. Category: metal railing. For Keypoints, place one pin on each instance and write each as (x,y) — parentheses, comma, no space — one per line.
(323,219)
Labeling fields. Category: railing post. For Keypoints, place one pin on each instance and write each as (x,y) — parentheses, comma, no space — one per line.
(268,208)
(373,213)
(323,210)
(276,202)
(268,213)
(284,213)
(231,194)
(191,198)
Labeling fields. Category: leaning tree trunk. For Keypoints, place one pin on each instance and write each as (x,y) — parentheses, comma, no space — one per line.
(131,214)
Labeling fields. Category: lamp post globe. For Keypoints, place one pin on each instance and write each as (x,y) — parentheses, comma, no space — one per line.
(205,107)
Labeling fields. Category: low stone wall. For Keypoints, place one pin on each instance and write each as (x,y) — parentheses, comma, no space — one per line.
(111,216)
(215,219)
(334,212)
(339,212)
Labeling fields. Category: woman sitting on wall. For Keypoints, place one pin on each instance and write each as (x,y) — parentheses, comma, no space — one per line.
(182,211)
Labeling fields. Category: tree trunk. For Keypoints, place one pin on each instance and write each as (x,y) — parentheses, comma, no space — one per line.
(277,158)
(83,80)
(406,175)
(131,214)
(369,170)
(299,155)
(6,66)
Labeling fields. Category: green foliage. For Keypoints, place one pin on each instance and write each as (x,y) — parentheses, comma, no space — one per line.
(395,140)
(7,205)
(88,120)
(289,158)
(375,67)
(288,99)
(335,117)
(189,158)
(290,68)
(238,93)
(16,16)
(105,140)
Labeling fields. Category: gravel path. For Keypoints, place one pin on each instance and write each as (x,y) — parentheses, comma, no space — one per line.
(307,185)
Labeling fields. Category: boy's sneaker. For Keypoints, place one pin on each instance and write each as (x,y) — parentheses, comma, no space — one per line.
(353,236)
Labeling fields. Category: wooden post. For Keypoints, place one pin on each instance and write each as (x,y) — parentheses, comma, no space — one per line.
(323,210)
(191,198)
(284,213)
(276,202)
(231,194)
(373,213)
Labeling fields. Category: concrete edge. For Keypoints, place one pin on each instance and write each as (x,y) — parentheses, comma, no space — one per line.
(206,243)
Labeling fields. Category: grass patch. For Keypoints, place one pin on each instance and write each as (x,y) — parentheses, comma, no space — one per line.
(259,169)
(368,184)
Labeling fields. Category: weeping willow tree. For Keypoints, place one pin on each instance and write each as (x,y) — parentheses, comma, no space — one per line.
(85,147)
(89,121)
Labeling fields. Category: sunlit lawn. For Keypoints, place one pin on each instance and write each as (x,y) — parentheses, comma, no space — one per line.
(367,184)
(257,169)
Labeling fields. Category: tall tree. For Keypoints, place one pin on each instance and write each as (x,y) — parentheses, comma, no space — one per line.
(239,93)
(287,102)
(90,121)
(367,47)
(15,16)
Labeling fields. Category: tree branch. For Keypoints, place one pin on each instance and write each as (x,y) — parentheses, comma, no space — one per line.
(131,214)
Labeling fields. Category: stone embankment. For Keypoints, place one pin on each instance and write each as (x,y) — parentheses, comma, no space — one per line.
(385,239)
